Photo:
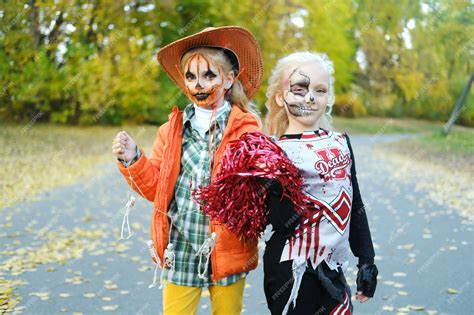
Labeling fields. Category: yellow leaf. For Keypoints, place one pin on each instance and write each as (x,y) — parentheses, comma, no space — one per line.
(452,291)
(109,307)
(416,307)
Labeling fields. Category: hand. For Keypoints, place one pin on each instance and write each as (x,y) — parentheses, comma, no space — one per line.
(366,281)
(123,146)
(362,298)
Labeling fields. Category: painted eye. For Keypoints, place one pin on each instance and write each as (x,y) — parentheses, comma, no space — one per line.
(190,76)
(321,91)
(210,75)
(299,90)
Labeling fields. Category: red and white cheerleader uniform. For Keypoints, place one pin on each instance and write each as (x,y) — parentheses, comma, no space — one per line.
(307,255)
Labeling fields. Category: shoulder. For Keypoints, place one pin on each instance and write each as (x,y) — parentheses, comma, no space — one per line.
(238,113)
(348,141)
(174,118)
(162,131)
(164,128)
(337,134)
(243,121)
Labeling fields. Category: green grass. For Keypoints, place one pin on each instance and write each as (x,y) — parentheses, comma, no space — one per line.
(374,125)
(459,140)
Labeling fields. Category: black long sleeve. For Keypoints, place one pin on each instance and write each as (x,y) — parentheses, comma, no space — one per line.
(281,212)
(360,239)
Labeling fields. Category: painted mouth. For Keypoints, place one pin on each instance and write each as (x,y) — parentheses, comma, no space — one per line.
(303,108)
(201,96)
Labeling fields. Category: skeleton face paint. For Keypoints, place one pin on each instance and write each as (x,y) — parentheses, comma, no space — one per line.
(203,80)
(294,96)
(306,95)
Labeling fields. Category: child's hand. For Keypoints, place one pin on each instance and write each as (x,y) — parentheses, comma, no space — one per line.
(366,281)
(123,146)
(361,297)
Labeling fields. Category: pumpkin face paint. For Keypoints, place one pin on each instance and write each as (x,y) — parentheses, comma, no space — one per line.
(204,81)
(306,94)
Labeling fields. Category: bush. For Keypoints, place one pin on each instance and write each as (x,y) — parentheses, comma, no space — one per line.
(349,105)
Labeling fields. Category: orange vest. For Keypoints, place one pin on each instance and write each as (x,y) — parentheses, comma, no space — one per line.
(156,177)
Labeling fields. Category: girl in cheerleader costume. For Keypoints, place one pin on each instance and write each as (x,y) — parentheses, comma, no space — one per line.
(307,254)
(219,70)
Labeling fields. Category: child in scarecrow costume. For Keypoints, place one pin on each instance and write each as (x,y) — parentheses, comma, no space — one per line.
(219,70)
(307,254)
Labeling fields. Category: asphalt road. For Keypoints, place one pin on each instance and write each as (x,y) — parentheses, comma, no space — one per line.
(424,252)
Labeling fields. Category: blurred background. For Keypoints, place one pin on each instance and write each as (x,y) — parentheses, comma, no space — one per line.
(74,73)
(93,62)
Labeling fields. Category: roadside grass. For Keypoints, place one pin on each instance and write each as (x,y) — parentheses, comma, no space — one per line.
(458,141)
(374,125)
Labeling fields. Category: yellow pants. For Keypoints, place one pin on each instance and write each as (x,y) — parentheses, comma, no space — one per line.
(182,300)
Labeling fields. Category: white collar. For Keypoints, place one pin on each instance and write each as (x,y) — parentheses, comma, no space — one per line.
(204,113)
(202,117)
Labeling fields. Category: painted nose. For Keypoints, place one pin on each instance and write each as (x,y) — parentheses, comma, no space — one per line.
(309,98)
(198,86)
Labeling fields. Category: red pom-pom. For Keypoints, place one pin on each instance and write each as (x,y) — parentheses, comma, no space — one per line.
(236,197)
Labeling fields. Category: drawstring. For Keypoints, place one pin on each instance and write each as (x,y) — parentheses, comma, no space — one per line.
(128,207)
(211,156)
(299,267)
(151,249)
(206,250)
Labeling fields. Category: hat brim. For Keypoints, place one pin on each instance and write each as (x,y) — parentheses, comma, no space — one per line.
(236,39)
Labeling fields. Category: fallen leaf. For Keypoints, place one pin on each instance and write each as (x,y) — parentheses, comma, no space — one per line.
(399,274)
(109,307)
(416,307)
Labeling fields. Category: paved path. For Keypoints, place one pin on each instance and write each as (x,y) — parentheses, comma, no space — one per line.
(422,249)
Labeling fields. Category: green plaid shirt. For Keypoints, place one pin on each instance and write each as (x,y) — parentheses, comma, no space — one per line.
(190,226)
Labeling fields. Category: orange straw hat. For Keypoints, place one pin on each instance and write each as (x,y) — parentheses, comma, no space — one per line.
(238,44)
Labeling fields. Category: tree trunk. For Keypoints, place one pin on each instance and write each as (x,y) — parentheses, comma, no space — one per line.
(34,24)
(458,106)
